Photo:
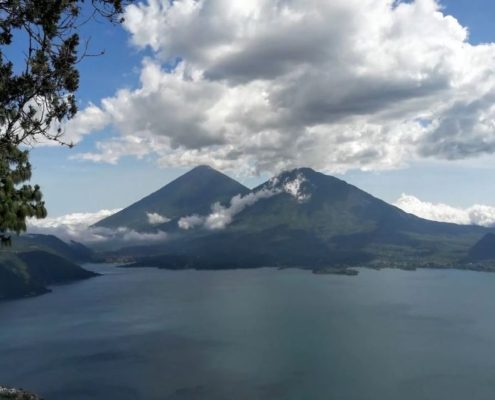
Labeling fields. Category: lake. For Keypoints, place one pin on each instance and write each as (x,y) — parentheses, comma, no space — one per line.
(255,334)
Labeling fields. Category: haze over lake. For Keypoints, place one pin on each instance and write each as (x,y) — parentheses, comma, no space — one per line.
(255,334)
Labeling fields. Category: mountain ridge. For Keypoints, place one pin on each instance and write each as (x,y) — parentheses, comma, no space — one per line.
(304,217)
(187,194)
(36,261)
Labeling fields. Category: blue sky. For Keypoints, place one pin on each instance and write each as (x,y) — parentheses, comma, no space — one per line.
(477,15)
(75,185)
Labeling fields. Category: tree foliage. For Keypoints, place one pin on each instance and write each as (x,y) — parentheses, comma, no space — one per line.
(38,94)
(18,202)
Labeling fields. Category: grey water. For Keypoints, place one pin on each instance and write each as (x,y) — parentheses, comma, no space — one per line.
(255,334)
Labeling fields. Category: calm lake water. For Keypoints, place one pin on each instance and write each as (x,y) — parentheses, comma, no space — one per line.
(259,334)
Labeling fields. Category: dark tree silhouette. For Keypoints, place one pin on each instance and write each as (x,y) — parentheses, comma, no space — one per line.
(38,94)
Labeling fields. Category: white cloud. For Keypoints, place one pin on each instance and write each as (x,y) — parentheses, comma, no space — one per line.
(72,221)
(264,86)
(77,226)
(156,219)
(190,221)
(129,235)
(295,186)
(475,215)
(90,119)
(221,216)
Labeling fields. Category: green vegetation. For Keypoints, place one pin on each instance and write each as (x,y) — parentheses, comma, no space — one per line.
(337,226)
(16,202)
(38,94)
(38,261)
(484,249)
(15,280)
(28,274)
(72,251)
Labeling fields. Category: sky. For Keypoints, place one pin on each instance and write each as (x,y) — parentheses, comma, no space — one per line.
(393,97)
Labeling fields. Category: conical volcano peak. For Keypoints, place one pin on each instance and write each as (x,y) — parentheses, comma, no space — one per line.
(299,217)
(201,177)
(296,182)
(306,184)
(192,193)
(301,173)
(201,170)
(203,167)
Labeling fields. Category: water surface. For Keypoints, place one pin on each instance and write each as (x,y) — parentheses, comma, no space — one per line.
(255,334)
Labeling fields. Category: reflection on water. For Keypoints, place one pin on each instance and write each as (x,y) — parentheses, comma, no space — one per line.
(259,334)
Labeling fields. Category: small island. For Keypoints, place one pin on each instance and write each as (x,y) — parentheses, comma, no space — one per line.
(336,271)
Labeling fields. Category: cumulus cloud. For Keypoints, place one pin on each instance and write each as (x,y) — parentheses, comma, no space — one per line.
(191,221)
(69,225)
(264,86)
(221,216)
(156,219)
(92,118)
(129,235)
(296,187)
(77,226)
(475,215)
